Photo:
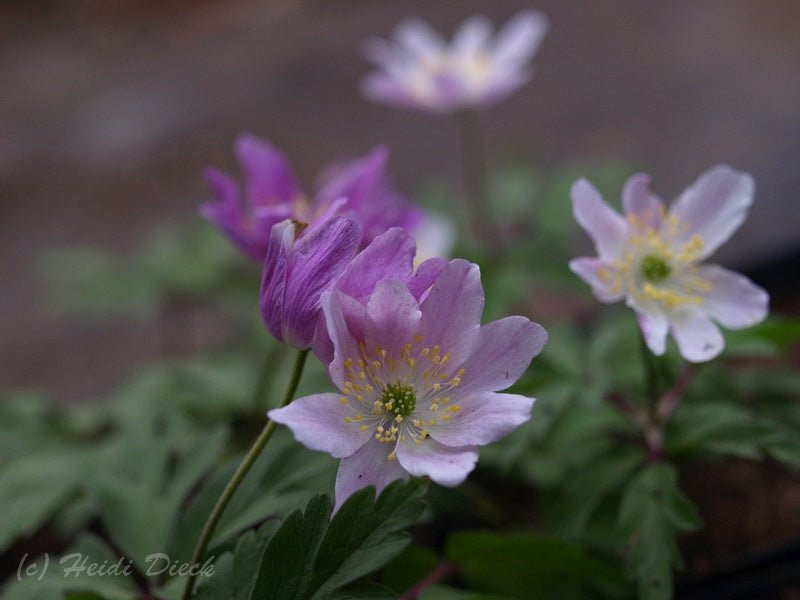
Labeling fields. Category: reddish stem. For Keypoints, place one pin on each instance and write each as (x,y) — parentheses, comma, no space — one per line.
(440,572)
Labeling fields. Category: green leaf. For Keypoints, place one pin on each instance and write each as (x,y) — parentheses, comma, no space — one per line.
(652,512)
(312,556)
(285,476)
(141,477)
(526,566)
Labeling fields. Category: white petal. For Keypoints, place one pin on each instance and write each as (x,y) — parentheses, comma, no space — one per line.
(473,35)
(654,328)
(639,201)
(607,228)
(520,38)
(714,206)
(699,339)
(733,301)
(417,37)
(600,275)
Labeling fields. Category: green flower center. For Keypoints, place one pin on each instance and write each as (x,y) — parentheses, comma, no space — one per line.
(654,268)
(399,399)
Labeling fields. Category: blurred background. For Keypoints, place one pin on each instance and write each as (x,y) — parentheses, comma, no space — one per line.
(110,111)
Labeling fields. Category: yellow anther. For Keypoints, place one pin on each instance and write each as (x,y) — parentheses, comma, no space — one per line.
(461,372)
(360,398)
(362,376)
(418,339)
(437,387)
(434,407)
(359,418)
(392,456)
(363,428)
(455,381)
(411,363)
(348,419)
(343,400)
(432,422)
(348,363)
(425,352)
(399,418)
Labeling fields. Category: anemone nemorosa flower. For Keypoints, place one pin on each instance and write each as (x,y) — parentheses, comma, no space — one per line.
(651,258)
(421,71)
(418,382)
(297,270)
(360,190)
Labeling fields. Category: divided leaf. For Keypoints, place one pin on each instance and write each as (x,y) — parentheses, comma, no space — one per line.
(653,511)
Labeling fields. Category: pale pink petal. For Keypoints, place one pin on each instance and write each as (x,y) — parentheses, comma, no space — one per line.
(344,343)
(393,317)
(641,203)
(425,275)
(483,418)
(600,275)
(502,352)
(733,301)
(654,326)
(445,465)
(520,38)
(451,313)
(714,206)
(699,339)
(607,228)
(390,255)
(318,422)
(369,466)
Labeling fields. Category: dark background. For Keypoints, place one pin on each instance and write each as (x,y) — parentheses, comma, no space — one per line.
(109,111)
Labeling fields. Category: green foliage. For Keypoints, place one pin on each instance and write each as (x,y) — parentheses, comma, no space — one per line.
(652,513)
(195,262)
(313,556)
(527,566)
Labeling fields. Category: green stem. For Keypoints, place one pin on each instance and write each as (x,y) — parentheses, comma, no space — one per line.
(473,171)
(239,475)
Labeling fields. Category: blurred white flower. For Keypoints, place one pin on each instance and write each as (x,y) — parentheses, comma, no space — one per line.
(421,71)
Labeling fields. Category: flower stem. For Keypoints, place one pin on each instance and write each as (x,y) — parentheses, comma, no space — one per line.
(473,172)
(241,471)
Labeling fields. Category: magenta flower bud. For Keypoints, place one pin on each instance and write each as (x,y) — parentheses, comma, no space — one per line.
(298,269)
